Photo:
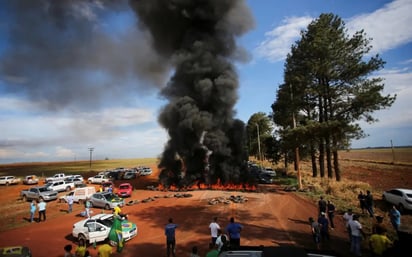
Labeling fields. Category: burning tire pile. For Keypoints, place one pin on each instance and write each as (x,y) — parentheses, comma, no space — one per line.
(228,200)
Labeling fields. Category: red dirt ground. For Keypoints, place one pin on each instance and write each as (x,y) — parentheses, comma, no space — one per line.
(270,217)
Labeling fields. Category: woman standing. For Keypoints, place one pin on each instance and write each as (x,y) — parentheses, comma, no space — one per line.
(32,210)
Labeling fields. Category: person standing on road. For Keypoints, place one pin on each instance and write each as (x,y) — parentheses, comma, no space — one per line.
(70,201)
(395,217)
(32,210)
(324,227)
(214,227)
(369,203)
(347,217)
(322,204)
(357,233)
(233,230)
(42,210)
(315,229)
(331,214)
(87,205)
(170,233)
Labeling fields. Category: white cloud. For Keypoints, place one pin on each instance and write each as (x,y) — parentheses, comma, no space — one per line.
(279,40)
(389,27)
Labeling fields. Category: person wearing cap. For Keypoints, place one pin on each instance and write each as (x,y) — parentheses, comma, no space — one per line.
(324,227)
(357,233)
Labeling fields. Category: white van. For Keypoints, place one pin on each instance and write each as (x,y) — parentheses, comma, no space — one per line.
(79,194)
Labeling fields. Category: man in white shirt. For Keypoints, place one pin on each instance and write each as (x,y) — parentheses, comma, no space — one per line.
(214,227)
(357,233)
(347,217)
(42,210)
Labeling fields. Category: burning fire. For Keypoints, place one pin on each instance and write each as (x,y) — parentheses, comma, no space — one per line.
(217,186)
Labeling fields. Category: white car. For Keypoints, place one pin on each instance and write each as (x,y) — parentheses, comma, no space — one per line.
(9,180)
(97,228)
(400,197)
(98,179)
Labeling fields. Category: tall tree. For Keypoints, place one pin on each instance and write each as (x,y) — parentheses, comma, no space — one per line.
(259,128)
(330,77)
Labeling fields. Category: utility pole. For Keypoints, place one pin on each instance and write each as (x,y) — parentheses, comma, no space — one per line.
(91,151)
(297,147)
(258,138)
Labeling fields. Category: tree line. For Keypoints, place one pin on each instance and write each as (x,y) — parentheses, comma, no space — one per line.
(329,87)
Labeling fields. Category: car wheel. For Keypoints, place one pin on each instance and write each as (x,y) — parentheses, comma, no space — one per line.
(82,238)
(24,198)
(68,189)
(107,207)
(7,183)
(41,198)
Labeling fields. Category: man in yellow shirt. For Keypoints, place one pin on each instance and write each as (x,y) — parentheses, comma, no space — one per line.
(379,243)
(105,250)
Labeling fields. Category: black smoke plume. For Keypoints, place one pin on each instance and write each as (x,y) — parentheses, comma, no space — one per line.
(198,36)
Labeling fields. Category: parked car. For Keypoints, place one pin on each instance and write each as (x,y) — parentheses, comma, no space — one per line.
(38,193)
(15,251)
(75,180)
(9,180)
(107,185)
(60,186)
(31,180)
(125,190)
(400,197)
(106,200)
(265,178)
(269,171)
(98,179)
(97,228)
(79,194)
(130,175)
(146,171)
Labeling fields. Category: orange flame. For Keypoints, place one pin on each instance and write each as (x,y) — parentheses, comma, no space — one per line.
(217,186)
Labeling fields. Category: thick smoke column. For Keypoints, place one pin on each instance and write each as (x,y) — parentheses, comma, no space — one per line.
(199,37)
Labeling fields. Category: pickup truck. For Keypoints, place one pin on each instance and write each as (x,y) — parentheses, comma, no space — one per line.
(37,193)
(56,177)
(60,186)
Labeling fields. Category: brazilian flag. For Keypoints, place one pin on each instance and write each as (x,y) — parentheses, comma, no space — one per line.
(116,235)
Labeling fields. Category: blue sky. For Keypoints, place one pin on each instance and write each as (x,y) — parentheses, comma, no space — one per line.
(100,90)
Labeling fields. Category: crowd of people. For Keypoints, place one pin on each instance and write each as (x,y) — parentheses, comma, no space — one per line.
(378,242)
(228,237)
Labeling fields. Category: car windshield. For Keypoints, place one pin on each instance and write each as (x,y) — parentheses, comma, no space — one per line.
(43,189)
(107,222)
(112,197)
(123,186)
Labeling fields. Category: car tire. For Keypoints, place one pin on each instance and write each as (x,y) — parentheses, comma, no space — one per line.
(82,237)
(68,189)
(107,207)
(24,198)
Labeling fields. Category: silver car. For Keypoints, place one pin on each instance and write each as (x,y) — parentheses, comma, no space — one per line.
(400,197)
(106,200)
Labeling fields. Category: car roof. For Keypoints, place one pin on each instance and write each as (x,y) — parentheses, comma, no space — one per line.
(405,190)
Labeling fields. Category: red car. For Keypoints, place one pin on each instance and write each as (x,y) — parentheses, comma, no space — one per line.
(125,190)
